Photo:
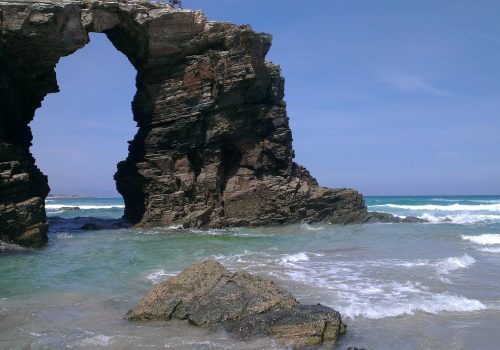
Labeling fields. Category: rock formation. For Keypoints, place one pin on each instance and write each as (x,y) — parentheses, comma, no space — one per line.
(214,147)
(207,294)
(385,218)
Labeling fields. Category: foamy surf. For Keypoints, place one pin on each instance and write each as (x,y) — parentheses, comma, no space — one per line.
(82,207)
(462,218)
(425,302)
(294,258)
(309,227)
(440,266)
(355,294)
(5,247)
(495,207)
(99,340)
(159,276)
(484,239)
(495,250)
(175,227)
(64,235)
(346,286)
(447,265)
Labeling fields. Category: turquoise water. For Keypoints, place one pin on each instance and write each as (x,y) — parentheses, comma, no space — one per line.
(104,208)
(398,286)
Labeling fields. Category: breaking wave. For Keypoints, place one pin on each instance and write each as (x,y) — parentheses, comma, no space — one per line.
(82,207)
(462,218)
(309,227)
(159,276)
(495,250)
(484,239)
(294,258)
(452,207)
(454,263)
(349,287)
(420,302)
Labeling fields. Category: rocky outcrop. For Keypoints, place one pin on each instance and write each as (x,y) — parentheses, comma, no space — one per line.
(214,147)
(207,294)
(22,192)
(385,218)
(90,226)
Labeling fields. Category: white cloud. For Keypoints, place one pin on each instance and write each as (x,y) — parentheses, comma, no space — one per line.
(412,84)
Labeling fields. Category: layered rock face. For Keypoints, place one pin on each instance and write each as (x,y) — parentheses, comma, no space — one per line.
(214,147)
(207,294)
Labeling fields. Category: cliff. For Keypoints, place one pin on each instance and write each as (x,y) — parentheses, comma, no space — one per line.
(214,146)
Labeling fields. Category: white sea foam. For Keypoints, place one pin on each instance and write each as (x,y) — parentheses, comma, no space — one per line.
(64,235)
(159,276)
(495,250)
(482,201)
(11,247)
(463,218)
(485,201)
(309,227)
(100,340)
(441,266)
(176,227)
(82,207)
(495,207)
(353,288)
(37,334)
(421,302)
(447,265)
(484,239)
(357,295)
(294,258)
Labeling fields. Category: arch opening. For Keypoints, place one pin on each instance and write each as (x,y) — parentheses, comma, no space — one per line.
(80,133)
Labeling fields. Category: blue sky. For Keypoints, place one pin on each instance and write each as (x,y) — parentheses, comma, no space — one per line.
(388,97)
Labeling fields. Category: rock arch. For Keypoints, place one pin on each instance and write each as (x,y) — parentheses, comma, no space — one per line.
(214,147)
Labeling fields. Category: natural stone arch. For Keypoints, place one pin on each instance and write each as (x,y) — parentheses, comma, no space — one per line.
(214,147)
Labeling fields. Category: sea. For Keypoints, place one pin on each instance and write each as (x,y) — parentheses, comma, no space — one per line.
(432,285)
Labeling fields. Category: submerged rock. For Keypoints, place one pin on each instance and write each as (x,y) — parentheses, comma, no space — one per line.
(70,208)
(385,218)
(207,294)
(90,227)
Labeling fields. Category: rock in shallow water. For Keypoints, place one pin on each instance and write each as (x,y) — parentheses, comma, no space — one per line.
(386,218)
(208,294)
(90,227)
(70,208)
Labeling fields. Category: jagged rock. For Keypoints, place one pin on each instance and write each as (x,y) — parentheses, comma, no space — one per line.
(214,146)
(90,227)
(207,294)
(385,218)
(70,208)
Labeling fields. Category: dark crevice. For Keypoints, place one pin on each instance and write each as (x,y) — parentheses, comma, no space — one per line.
(196,161)
(230,162)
